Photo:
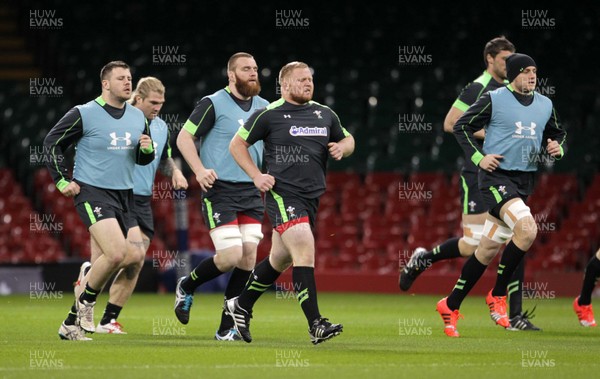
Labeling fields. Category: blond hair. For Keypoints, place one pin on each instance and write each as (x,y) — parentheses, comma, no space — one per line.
(288,68)
(147,85)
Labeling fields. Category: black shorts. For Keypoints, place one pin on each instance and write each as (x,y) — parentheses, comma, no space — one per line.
(286,209)
(232,203)
(470,197)
(94,204)
(142,215)
(499,186)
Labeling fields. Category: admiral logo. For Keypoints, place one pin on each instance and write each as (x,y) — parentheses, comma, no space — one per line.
(305,131)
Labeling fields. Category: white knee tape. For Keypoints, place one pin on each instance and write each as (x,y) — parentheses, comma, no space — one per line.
(515,212)
(251,233)
(495,232)
(472,233)
(226,236)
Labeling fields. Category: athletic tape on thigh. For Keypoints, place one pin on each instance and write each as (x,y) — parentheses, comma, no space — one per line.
(226,236)
(495,232)
(472,233)
(251,233)
(515,212)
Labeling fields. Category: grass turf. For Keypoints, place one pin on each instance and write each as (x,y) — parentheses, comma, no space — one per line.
(385,336)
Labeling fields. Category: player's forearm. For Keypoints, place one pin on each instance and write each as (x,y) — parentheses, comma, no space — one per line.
(238,149)
(187,148)
(55,159)
(145,156)
(347,146)
(465,138)
(60,137)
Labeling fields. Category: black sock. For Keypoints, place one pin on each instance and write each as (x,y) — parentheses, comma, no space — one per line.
(306,291)
(204,272)
(511,257)
(111,312)
(592,272)
(89,294)
(236,284)
(470,274)
(72,316)
(262,277)
(447,250)
(515,290)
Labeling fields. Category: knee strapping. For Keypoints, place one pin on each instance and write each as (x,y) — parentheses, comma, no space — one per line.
(495,232)
(226,237)
(515,212)
(472,233)
(251,233)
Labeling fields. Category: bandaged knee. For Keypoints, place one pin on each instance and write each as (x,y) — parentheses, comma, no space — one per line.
(225,237)
(472,233)
(251,233)
(495,232)
(515,212)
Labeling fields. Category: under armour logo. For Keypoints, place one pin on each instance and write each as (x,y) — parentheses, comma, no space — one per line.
(318,113)
(114,137)
(520,128)
(287,116)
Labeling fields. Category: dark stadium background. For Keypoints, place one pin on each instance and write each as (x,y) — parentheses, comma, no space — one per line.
(52,51)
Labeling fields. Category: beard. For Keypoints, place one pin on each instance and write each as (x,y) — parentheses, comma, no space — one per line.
(501,74)
(246,88)
(301,97)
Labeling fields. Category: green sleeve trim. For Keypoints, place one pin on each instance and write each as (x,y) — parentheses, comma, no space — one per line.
(346,133)
(62,184)
(562,153)
(190,127)
(476,158)
(148,150)
(460,105)
(242,132)
(193,128)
